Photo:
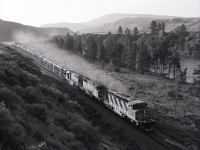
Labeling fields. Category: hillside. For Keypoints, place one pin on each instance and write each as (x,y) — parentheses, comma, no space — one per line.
(11,31)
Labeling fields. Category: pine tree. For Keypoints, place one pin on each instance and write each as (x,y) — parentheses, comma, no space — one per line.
(143,57)
(109,33)
(153,27)
(131,56)
(127,31)
(136,31)
(113,49)
(159,27)
(101,53)
(91,48)
(120,30)
(163,27)
(175,61)
(77,44)
(61,43)
(181,32)
(197,79)
(67,42)
(71,43)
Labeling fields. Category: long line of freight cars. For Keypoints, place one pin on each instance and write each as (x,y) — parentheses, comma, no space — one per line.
(133,109)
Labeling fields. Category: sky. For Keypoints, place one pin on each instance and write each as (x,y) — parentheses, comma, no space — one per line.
(38,12)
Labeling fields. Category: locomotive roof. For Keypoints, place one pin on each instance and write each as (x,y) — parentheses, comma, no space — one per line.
(129,99)
(96,83)
(122,95)
(134,102)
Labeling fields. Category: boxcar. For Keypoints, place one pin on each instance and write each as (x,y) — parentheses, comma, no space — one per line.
(57,69)
(47,64)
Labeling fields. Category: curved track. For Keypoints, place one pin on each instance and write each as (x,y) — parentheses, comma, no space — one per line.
(166,141)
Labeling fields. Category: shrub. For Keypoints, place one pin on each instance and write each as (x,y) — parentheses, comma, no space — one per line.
(69,136)
(10,98)
(73,105)
(18,90)
(54,145)
(77,145)
(10,131)
(11,81)
(23,79)
(39,135)
(2,75)
(87,134)
(17,138)
(10,72)
(28,127)
(38,110)
(33,95)
(63,120)
(30,94)
(117,69)
(23,64)
(49,102)
(6,121)
(52,92)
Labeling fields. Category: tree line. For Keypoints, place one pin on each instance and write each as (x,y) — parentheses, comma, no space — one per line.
(157,51)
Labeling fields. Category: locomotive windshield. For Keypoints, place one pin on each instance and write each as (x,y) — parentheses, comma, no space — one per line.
(139,106)
(143,115)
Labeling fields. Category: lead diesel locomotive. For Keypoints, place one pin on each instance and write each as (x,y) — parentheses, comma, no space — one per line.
(133,109)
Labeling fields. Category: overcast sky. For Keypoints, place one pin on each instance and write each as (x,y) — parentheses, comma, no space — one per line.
(37,12)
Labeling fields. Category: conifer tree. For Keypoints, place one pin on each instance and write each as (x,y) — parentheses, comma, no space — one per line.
(101,53)
(153,27)
(159,27)
(127,31)
(163,27)
(143,57)
(91,48)
(120,30)
(136,31)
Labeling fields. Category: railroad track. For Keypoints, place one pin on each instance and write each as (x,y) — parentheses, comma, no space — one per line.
(166,141)
(159,137)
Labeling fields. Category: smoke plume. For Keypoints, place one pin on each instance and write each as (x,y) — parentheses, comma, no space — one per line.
(77,64)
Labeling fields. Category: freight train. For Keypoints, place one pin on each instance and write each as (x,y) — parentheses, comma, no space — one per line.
(134,110)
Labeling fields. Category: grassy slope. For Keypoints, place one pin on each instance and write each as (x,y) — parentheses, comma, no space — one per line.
(40,109)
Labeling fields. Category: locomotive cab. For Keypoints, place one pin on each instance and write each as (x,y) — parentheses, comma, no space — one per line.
(102,93)
(141,115)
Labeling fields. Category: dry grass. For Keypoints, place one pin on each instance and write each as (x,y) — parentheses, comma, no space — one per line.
(156,91)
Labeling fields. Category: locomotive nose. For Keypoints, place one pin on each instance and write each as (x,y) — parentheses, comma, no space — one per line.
(147,126)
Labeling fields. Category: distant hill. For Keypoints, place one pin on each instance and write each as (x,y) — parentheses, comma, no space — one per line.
(194,25)
(111,18)
(11,31)
(143,24)
(73,26)
(94,24)
(112,22)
